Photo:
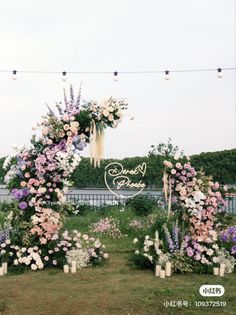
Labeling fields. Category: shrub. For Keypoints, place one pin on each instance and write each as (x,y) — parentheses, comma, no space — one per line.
(142,205)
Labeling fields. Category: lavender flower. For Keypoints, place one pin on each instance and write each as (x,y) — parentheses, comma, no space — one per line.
(17,193)
(231,230)
(170,243)
(175,233)
(25,192)
(4,233)
(224,237)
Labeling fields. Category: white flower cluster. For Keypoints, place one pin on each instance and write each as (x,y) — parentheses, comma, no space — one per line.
(82,248)
(79,255)
(9,158)
(109,111)
(3,246)
(223,257)
(151,246)
(11,174)
(28,256)
(67,161)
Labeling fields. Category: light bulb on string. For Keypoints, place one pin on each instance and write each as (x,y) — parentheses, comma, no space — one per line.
(219,73)
(167,75)
(63,78)
(14,75)
(115,77)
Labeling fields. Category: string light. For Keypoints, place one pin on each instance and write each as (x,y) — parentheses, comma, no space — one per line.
(219,73)
(63,78)
(115,77)
(14,75)
(115,73)
(167,75)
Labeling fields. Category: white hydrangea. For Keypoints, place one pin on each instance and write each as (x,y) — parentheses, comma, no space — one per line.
(81,257)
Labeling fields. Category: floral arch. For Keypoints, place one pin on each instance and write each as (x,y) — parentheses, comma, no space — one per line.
(38,177)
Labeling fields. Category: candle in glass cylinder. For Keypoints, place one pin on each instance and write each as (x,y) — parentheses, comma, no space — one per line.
(66,268)
(1,271)
(222,270)
(216,271)
(157,271)
(73,266)
(162,274)
(168,269)
(4,265)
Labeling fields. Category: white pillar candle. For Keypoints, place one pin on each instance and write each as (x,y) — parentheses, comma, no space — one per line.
(73,266)
(157,271)
(4,265)
(222,270)
(162,274)
(216,271)
(66,268)
(168,269)
(1,271)
(73,270)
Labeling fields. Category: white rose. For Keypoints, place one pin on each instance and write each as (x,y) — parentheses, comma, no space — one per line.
(85,237)
(34,267)
(110,117)
(105,113)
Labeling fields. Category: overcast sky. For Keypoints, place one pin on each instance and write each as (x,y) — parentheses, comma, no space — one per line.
(197,110)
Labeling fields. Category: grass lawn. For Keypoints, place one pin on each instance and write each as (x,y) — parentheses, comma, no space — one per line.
(115,288)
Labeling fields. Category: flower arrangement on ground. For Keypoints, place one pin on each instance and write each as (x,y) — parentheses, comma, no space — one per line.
(198,243)
(107,226)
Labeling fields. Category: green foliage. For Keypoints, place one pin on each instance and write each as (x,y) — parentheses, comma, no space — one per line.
(200,268)
(165,149)
(140,262)
(181,263)
(8,206)
(221,165)
(141,205)
(2,173)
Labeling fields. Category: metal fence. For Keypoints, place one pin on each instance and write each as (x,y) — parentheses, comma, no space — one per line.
(98,200)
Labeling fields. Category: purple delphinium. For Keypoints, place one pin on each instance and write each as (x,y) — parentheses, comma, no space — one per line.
(175,233)
(23,205)
(170,243)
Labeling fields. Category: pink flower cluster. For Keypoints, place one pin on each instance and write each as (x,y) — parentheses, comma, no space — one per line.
(107,226)
(46,223)
(198,195)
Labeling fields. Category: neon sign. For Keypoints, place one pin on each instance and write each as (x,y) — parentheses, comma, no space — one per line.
(122,178)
